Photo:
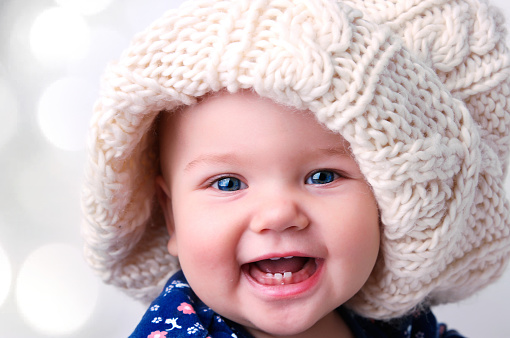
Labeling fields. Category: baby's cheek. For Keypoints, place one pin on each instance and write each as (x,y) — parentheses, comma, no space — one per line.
(209,266)
(202,247)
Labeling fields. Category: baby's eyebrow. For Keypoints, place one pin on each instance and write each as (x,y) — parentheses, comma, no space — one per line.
(341,150)
(231,158)
(226,158)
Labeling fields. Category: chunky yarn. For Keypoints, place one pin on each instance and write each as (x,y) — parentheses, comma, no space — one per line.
(419,88)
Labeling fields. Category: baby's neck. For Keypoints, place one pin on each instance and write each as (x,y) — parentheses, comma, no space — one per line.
(331,326)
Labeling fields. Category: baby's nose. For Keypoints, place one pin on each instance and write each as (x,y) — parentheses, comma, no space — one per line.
(279,214)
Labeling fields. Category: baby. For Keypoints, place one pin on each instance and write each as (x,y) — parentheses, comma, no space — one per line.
(302,168)
(267,210)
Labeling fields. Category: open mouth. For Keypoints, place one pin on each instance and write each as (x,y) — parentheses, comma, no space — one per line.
(282,270)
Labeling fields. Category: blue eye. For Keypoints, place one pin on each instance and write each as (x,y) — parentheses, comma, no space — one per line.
(229,184)
(322,177)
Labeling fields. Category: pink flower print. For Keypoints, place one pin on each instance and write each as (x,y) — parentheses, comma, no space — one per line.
(157,334)
(186,308)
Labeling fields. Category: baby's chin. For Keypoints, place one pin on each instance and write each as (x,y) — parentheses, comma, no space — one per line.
(287,332)
(272,326)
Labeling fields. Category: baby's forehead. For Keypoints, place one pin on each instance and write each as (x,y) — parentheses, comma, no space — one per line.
(242,122)
(222,107)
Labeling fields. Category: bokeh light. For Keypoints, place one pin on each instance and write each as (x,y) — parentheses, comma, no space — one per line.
(46,190)
(56,293)
(8,112)
(64,112)
(59,35)
(6,275)
(107,45)
(85,7)
(140,15)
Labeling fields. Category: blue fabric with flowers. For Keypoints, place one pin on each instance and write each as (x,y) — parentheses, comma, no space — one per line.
(178,312)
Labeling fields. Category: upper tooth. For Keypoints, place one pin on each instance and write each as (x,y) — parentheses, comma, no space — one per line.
(277,258)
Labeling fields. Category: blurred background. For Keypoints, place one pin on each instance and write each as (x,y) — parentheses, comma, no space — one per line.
(52,53)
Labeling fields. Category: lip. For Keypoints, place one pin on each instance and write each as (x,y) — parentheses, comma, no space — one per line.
(281,292)
(280,255)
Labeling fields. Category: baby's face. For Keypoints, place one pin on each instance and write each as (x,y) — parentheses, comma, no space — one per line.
(272,221)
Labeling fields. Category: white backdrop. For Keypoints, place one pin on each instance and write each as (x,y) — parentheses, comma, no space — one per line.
(48,82)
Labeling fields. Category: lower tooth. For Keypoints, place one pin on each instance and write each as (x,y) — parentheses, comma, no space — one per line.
(279,278)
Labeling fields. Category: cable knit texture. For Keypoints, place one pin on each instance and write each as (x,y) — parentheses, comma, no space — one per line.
(419,88)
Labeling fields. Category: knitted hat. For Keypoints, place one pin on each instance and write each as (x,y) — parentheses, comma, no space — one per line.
(420,90)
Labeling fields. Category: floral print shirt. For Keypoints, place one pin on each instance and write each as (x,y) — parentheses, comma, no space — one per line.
(178,312)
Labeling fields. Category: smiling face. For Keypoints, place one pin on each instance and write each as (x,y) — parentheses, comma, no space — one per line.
(272,221)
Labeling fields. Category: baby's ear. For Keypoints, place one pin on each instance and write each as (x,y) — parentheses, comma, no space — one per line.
(165,202)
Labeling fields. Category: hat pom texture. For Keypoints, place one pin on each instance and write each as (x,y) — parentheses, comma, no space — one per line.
(420,90)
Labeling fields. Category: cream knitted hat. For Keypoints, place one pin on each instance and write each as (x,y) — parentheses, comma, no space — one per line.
(419,88)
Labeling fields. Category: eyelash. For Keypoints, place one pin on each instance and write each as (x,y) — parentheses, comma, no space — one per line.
(240,185)
(217,180)
(335,176)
